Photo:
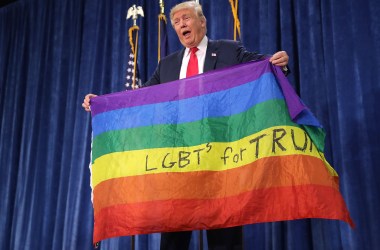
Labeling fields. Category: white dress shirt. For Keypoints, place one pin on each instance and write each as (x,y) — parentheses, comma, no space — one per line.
(201,55)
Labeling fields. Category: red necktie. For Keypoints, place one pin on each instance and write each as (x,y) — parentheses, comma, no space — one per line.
(192,67)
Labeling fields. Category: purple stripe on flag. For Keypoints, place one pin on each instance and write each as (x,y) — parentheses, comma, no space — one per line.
(197,85)
(182,89)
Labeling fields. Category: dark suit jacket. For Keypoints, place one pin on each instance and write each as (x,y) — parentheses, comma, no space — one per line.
(219,54)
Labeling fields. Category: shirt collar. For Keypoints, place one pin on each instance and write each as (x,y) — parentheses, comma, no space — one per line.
(202,46)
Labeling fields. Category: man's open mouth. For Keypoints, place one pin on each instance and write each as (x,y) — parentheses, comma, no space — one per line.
(185,33)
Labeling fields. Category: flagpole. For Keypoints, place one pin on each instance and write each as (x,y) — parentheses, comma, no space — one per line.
(161,16)
(135,60)
(134,12)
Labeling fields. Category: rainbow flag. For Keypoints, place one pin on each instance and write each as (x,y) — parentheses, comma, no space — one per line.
(226,148)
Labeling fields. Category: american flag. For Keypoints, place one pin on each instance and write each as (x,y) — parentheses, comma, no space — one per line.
(130,74)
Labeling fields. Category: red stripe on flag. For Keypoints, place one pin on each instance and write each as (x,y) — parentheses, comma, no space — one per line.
(265,205)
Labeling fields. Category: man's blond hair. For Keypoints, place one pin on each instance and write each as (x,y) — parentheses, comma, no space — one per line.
(187,5)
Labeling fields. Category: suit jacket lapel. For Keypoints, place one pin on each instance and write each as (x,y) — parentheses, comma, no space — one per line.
(211,56)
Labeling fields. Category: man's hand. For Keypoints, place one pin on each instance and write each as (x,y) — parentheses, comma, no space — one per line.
(280,58)
(86,102)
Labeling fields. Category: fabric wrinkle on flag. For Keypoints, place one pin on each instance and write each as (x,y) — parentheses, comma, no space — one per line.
(239,150)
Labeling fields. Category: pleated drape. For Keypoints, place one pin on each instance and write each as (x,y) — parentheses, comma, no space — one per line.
(52,53)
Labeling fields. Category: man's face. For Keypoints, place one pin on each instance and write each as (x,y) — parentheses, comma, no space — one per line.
(189,27)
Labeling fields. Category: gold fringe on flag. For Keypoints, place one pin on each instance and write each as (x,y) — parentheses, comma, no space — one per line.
(234,8)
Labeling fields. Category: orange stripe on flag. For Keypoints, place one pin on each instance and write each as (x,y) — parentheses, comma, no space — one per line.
(268,172)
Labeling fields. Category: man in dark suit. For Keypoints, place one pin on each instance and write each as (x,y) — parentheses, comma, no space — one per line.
(190,25)
(200,55)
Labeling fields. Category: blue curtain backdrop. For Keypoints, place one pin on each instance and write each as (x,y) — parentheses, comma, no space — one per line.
(52,53)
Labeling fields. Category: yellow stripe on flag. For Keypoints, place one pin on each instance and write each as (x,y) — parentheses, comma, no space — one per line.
(213,156)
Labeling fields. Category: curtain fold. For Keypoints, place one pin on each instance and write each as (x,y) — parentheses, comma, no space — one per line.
(52,53)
